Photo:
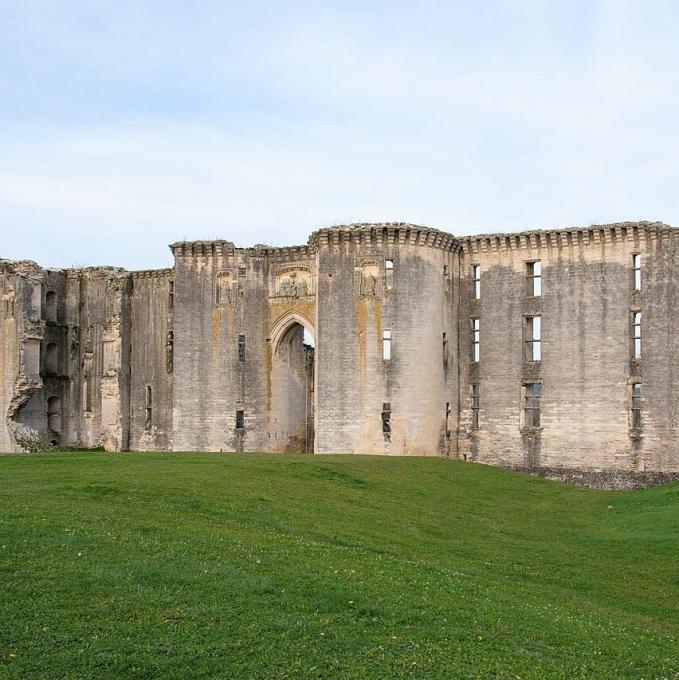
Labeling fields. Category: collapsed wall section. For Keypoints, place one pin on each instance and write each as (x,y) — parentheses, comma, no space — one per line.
(64,364)
(22,332)
(98,307)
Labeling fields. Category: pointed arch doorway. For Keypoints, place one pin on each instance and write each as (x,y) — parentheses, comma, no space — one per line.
(293,377)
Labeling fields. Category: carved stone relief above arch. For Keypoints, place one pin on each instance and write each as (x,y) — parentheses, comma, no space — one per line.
(226,290)
(293,281)
(367,279)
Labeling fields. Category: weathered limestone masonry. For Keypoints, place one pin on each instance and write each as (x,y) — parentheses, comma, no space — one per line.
(550,350)
(64,337)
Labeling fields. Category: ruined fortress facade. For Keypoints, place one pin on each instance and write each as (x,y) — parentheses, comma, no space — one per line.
(555,348)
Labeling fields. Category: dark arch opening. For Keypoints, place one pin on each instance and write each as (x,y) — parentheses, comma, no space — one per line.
(54,415)
(51,358)
(292,390)
(51,306)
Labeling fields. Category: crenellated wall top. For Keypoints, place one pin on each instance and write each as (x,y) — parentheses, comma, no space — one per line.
(152,273)
(227,248)
(561,238)
(377,234)
(383,234)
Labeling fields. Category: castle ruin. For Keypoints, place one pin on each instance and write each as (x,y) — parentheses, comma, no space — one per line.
(554,348)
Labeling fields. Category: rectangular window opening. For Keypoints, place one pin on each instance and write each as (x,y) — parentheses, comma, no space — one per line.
(532,404)
(533,335)
(636,264)
(476,340)
(636,335)
(476,277)
(636,406)
(386,345)
(240,419)
(170,297)
(388,274)
(448,412)
(534,277)
(241,348)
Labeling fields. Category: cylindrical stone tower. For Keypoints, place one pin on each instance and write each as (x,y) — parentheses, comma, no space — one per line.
(386,351)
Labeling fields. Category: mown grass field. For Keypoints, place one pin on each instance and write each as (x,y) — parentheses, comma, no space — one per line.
(259,566)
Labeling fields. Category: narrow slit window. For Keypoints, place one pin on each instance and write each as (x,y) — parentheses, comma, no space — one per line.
(386,345)
(476,339)
(169,351)
(533,338)
(476,277)
(240,419)
(448,412)
(532,404)
(386,419)
(445,270)
(445,348)
(148,421)
(636,335)
(170,295)
(636,264)
(476,405)
(636,406)
(534,274)
(87,395)
(241,348)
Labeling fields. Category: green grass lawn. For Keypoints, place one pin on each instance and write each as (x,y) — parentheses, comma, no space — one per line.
(261,566)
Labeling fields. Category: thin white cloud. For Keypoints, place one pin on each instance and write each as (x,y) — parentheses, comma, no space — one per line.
(522,115)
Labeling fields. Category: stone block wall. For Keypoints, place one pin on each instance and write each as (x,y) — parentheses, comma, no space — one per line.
(221,294)
(587,370)
(151,364)
(375,279)
(210,355)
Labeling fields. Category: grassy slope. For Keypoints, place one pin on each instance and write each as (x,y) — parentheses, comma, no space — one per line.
(187,565)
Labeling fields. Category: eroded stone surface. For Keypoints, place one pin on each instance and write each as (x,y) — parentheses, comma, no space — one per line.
(209,355)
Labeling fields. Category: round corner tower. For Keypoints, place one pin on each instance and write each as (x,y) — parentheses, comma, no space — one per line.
(386,364)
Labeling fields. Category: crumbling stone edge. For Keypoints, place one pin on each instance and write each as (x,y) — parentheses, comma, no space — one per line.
(615,480)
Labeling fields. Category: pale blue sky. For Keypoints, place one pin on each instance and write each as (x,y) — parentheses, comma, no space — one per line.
(125,126)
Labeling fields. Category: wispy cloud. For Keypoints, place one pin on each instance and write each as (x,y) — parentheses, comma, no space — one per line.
(127,126)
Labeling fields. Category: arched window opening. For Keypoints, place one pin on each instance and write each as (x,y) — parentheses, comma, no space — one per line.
(36,299)
(54,415)
(51,306)
(51,358)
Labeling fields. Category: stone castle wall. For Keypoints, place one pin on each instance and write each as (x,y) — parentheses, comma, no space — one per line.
(211,355)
